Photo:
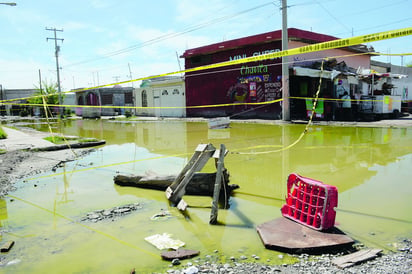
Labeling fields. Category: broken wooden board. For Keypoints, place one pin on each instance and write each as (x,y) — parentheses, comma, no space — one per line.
(288,236)
(6,246)
(179,254)
(219,122)
(182,205)
(357,257)
(178,188)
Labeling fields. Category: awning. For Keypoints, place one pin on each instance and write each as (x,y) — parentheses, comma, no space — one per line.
(369,73)
(352,80)
(315,73)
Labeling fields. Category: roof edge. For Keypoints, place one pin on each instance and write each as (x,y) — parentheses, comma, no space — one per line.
(293,34)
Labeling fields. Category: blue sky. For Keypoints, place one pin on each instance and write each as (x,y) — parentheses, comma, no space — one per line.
(103,38)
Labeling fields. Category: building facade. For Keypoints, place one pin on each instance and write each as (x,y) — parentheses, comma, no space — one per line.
(161,97)
(402,86)
(104,101)
(259,82)
(19,98)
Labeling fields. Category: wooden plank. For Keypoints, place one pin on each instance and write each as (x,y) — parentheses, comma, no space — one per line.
(357,257)
(182,173)
(286,235)
(182,205)
(218,184)
(219,122)
(179,254)
(7,246)
(179,185)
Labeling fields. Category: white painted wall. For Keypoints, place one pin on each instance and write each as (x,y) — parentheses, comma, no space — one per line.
(165,98)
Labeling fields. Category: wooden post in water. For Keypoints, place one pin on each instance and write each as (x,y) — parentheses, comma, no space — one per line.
(218,183)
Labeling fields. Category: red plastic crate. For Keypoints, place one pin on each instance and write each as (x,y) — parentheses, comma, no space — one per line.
(310,202)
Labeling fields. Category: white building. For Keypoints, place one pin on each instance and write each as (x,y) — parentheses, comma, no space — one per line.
(161,97)
(402,86)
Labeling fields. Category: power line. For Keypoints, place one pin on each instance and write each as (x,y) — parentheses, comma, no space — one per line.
(331,15)
(378,8)
(313,2)
(319,2)
(170,35)
(379,26)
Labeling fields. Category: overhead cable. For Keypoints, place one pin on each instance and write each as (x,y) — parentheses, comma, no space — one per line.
(170,35)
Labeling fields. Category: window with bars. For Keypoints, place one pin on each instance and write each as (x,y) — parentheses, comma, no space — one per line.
(144,98)
(107,99)
(128,98)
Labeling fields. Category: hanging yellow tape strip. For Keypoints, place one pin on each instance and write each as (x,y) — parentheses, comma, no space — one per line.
(135,107)
(339,43)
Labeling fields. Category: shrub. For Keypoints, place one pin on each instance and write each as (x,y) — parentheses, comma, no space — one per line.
(3,134)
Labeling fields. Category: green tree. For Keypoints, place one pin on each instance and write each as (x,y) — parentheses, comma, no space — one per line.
(51,95)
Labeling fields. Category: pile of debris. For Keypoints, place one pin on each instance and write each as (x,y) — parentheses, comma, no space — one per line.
(118,211)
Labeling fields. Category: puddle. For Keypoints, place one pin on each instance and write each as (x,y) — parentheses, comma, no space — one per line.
(369,166)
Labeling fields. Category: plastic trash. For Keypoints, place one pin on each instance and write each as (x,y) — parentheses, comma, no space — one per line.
(164,241)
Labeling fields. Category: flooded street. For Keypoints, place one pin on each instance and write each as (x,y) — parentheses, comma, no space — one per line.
(45,216)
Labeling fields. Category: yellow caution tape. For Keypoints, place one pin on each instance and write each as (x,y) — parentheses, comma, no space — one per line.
(352,100)
(338,43)
(135,107)
(83,225)
(391,54)
(206,106)
(108,165)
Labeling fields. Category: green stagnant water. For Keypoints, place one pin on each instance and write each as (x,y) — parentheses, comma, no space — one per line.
(371,167)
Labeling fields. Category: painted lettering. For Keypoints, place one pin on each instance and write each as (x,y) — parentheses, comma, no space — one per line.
(245,70)
(254,54)
(237,57)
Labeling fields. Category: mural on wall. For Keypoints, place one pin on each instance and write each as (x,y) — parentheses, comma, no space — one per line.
(238,93)
(255,85)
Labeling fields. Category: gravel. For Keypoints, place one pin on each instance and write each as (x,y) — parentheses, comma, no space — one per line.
(392,262)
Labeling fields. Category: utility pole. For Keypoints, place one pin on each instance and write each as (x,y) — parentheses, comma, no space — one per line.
(57,49)
(285,65)
(41,90)
(130,74)
(116,78)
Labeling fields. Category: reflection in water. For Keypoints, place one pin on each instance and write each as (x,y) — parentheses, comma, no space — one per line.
(368,166)
(3,217)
